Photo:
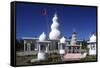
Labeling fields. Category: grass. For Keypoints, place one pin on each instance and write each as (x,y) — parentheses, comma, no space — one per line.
(89,58)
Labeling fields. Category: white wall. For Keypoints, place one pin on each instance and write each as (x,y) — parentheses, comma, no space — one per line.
(5,33)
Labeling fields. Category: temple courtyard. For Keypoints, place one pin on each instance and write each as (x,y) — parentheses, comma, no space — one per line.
(53,59)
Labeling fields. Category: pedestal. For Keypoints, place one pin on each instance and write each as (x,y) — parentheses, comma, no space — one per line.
(92,49)
(42,56)
(62,51)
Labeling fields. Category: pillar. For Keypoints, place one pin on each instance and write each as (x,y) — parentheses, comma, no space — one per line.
(36,47)
(72,49)
(58,46)
(61,46)
(47,48)
(76,49)
(61,49)
(80,47)
(24,45)
(41,54)
(28,48)
(39,47)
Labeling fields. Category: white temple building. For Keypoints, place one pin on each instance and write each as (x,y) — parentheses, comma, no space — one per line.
(92,45)
(57,43)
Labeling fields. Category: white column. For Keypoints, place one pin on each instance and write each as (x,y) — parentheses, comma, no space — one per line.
(36,47)
(62,51)
(61,46)
(58,46)
(24,45)
(47,48)
(29,47)
(39,47)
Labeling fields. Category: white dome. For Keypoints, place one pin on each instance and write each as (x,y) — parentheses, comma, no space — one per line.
(54,35)
(93,38)
(42,37)
(54,25)
(63,40)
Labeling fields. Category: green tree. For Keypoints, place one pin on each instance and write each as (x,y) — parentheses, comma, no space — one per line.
(84,44)
(19,45)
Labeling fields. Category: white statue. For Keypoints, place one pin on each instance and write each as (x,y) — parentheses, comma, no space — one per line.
(55,33)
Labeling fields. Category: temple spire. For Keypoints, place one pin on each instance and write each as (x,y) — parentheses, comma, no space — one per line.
(55,33)
(55,14)
(73,38)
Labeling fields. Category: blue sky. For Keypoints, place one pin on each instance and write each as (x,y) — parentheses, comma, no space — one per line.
(31,22)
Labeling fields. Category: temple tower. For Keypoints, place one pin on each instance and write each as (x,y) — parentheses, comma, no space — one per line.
(73,39)
(55,33)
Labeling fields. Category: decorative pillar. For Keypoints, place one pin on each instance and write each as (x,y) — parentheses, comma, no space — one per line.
(36,47)
(61,46)
(47,48)
(39,47)
(24,45)
(27,47)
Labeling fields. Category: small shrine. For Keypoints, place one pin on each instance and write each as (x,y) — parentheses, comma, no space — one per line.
(92,44)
